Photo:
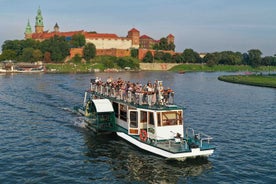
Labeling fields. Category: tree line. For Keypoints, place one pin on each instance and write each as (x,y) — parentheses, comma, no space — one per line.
(57,48)
(54,49)
(253,58)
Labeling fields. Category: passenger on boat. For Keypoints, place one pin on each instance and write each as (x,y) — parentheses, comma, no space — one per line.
(150,92)
(134,92)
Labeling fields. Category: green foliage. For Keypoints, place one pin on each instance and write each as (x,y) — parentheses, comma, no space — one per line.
(224,58)
(131,62)
(37,55)
(178,58)
(254,57)
(8,55)
(167,57)
(134,53)
(89,51)
(190,56)
(269,61)
(76,59)
(57,46)
(27,55)
(164,45)
(148,57)
(78,40)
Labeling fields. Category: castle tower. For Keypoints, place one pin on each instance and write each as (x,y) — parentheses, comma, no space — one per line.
(39,22)
(170,38)
(28,30)
(56,28)
(134,35)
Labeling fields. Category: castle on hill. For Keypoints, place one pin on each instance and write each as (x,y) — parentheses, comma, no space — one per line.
(105,43)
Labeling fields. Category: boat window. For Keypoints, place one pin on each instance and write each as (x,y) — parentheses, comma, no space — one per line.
(158,118)
(116,110)
(133,119)
(143,117)
(151,118)
(123,112)
(179,118)
(171,118)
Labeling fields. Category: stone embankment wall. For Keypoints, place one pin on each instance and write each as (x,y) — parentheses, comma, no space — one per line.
(157,66)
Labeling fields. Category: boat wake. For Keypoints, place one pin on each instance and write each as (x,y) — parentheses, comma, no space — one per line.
(80,122)
(68,109)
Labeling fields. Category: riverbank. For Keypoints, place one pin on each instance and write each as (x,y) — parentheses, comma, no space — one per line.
(219,68)
(174,67)
(254,80)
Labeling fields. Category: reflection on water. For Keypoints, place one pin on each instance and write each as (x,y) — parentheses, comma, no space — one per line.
(132,164)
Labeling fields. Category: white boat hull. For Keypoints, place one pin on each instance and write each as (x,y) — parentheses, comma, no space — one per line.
(195,152)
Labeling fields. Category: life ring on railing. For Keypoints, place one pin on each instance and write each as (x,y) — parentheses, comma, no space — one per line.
(143,135)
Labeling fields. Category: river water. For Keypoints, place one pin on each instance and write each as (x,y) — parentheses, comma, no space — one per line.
(44,141)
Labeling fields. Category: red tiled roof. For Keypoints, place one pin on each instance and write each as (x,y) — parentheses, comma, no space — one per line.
(100,35)
(133,30)
(145,37)
(170,35)
(47,35)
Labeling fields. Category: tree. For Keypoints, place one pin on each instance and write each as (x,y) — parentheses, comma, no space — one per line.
(158,55)
(37,55)
(178,58)
(57,46)
(78,40)
(211,59)
(254,57)
(190,56)
(8,55)
(164,45)
(76,58)
(27,55)
(167,57)
(89,51)
(134,53)
(47,57)
(123,62)
(148,58)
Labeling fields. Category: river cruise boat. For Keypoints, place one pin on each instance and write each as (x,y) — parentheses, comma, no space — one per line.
(145,116)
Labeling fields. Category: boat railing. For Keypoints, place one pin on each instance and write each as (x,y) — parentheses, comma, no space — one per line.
(136,97)
(198,136)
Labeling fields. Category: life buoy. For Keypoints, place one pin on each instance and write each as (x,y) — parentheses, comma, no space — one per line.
(143,135)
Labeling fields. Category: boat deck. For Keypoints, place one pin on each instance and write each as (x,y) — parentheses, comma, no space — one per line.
(172,146)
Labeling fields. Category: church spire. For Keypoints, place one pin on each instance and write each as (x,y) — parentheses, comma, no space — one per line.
(39,22)
(28,30)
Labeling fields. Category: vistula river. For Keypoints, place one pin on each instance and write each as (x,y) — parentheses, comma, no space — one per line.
(43,140)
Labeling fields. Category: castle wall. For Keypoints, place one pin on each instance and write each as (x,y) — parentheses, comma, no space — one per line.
(113,52)
(110,43)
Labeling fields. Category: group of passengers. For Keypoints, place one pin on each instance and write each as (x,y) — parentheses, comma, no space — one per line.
(137,93)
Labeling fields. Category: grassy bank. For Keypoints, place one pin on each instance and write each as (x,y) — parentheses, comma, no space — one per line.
(255,80)
(225,68)
(72,67)
(105,63)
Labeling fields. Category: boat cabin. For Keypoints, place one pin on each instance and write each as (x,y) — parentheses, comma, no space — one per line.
(162,124)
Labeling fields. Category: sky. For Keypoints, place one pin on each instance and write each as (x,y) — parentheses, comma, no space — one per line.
(202,25)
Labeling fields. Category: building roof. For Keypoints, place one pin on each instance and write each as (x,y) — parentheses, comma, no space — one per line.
(170,35)
(100,35)
(133,30)
(145,37)
(47,35)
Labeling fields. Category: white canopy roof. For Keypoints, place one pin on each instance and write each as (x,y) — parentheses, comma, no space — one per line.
(103,105)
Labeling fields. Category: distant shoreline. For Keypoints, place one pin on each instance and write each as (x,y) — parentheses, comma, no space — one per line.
(253,80)
(173,67)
